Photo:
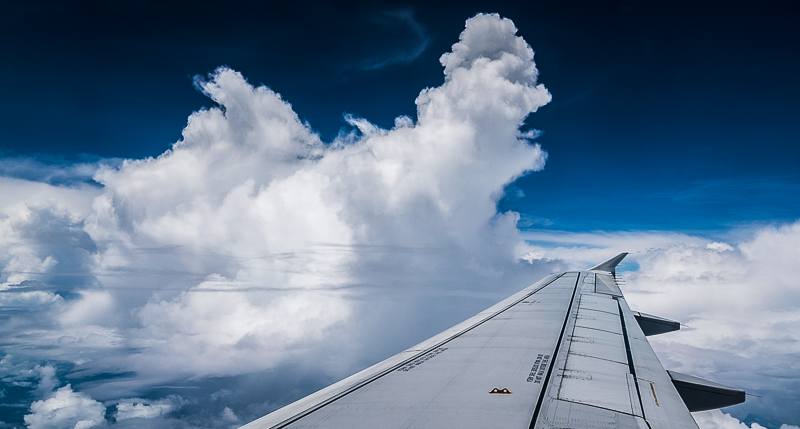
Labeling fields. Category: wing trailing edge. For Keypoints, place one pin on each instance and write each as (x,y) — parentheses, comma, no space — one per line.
(568,347)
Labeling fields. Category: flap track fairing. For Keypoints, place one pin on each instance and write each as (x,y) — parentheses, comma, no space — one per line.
(654,325)
(702,395)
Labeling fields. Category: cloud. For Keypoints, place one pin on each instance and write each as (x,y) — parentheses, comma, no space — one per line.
(716,419)
(47,380)
(44,242)
(284,212)
(229,415)
(66,409)
(585,249)
(146,409)
(252,245)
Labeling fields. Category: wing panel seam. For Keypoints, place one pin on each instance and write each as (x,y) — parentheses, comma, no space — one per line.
(543,391)
(631,366)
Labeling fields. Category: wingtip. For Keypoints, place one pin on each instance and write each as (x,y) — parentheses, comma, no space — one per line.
(611,264)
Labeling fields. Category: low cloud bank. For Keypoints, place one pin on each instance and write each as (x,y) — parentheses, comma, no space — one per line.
(716,419)
(740,303)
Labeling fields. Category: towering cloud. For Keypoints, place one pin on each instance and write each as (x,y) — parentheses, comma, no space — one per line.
(66,409)
(279,223)
(251,244)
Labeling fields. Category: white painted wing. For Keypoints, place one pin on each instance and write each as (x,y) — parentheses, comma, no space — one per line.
(564,352)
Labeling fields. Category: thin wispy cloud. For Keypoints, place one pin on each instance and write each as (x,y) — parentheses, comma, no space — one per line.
(53,170)
(418,42)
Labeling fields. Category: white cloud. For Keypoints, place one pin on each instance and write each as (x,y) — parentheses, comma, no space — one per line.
(9,298)
(93,308)
(710,287)
(66,409)
(586,249)
(252,244)
(19,193)
(146,409)
(230,416)
(719,247)
(290,219)
(43,240)
(47,380)
(716,419)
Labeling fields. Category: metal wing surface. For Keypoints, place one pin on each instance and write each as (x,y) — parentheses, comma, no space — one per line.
(566,352)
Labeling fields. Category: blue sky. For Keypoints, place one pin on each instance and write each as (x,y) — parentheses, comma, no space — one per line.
(685,112)
(671,133)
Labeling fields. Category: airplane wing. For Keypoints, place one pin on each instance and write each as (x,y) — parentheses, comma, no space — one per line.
(565,352)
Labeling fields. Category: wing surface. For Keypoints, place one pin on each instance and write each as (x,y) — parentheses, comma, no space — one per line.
(565,352)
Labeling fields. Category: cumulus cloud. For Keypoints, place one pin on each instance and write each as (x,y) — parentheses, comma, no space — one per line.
(44,242)
(146,409)
(252,245)
(47,379)
(716,419)
(66,409)
(290,219)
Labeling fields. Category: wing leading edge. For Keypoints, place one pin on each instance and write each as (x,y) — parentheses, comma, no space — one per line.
(566,351)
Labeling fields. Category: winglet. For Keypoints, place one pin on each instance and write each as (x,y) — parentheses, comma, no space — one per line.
(611,264)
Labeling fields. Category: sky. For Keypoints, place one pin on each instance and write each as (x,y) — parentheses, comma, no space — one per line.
(209,211)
